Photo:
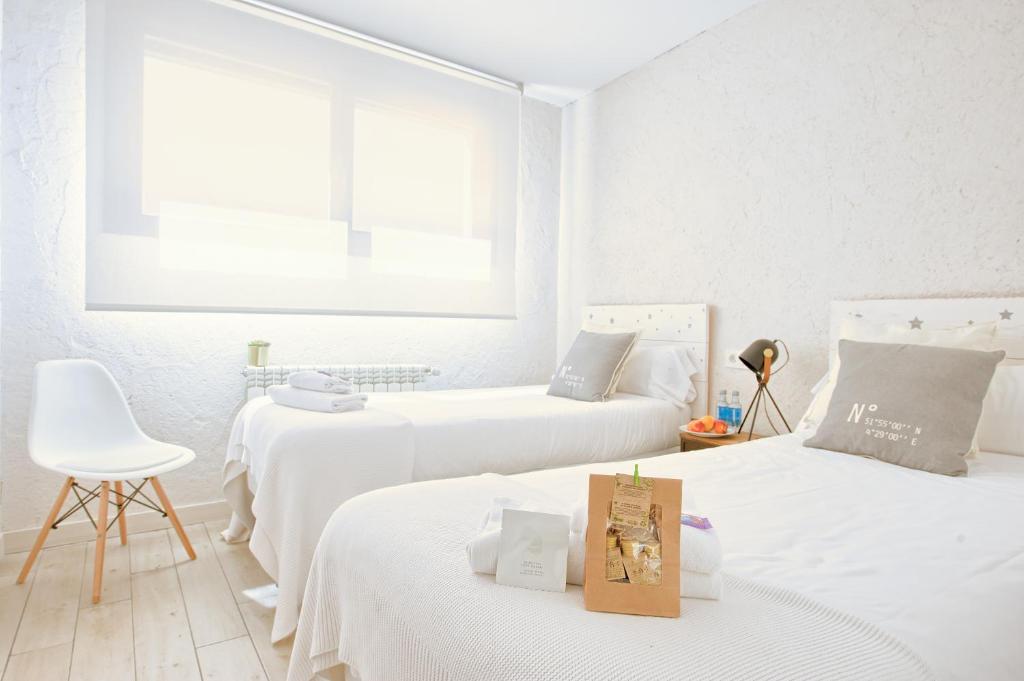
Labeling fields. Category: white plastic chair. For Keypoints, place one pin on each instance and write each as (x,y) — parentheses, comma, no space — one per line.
(80,426)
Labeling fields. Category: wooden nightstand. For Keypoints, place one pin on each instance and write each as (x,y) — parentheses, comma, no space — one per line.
(691,443)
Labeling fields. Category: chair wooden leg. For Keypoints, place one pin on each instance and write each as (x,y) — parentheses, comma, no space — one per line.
(101,541)
(122,521)
(173,517)
(45,530)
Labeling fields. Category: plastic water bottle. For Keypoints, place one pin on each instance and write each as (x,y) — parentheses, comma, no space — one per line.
(723,412)
(735,410)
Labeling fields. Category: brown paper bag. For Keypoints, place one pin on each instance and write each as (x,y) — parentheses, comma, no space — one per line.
(600,589)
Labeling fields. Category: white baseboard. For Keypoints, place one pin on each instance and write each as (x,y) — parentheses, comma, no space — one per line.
(16,541)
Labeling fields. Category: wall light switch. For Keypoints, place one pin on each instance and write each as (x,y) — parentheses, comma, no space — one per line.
(732,360)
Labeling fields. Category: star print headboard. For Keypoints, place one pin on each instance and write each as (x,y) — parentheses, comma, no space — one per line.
(932,313)
(687,324)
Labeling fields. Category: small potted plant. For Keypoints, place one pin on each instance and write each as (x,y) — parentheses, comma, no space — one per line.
(259,353)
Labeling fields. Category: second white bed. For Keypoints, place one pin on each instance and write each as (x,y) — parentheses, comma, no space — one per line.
(838,567)
(288,470)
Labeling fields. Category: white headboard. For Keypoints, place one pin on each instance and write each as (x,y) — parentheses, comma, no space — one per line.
(668,323)
(931,313)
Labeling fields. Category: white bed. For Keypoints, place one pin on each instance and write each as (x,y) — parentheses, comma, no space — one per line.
(837,567)
(287,470)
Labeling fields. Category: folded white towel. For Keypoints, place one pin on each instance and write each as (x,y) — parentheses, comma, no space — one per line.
(310,400)
(700,552)
(314,380)
(700,585)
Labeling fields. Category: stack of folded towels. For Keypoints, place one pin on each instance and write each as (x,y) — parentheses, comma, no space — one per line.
(700,552)
(316,391)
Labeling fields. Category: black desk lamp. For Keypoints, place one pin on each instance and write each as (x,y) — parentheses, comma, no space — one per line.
(759,358)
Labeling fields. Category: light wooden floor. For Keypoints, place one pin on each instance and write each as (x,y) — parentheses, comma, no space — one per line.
(161,616)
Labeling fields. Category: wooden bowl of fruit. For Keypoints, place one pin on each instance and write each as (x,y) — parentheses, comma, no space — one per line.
(708,426)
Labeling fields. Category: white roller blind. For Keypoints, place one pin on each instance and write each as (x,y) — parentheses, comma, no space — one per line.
(239,159)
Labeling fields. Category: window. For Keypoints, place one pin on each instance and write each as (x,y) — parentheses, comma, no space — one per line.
(239,159)
(430,232)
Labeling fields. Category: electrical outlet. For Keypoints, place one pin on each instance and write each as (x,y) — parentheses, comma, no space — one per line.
(732,360)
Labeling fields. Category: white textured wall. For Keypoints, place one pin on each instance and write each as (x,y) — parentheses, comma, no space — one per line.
(803,151)
(181,371)
(1,292)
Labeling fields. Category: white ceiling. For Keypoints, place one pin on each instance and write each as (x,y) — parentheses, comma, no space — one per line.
(559,49)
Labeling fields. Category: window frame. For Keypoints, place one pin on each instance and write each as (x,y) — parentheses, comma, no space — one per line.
(111,179)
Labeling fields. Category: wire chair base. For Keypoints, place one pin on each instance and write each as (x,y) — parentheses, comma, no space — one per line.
(84,495)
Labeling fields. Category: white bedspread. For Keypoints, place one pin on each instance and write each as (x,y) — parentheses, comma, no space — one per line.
(287,469)
(839,567)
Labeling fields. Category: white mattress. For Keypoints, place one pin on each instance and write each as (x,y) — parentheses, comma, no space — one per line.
(931,565)
(287,469)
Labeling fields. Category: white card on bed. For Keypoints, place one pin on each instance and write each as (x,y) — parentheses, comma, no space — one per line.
(533,551)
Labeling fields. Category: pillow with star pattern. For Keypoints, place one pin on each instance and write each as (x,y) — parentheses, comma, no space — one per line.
(971,337)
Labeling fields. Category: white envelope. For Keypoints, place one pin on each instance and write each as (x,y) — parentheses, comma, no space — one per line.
(533,551)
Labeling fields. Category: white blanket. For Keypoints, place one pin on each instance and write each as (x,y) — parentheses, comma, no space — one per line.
(512,430)
(287,470)
(838,567)
(305,470)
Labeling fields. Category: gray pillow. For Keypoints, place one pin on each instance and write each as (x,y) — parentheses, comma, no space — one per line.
(912,405)
(592,366)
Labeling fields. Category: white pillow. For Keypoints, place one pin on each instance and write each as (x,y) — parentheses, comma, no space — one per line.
(1001,428)
(1011,340)
(664,372)
(968,337)
(974,337)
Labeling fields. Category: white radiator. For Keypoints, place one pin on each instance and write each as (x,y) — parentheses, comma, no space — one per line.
(364,377)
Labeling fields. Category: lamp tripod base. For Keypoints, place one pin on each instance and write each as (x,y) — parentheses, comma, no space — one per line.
(755,404)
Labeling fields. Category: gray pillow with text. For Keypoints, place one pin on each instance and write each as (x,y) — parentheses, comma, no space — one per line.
(916,406)
(592,366)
